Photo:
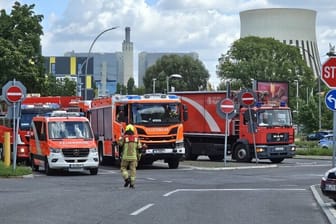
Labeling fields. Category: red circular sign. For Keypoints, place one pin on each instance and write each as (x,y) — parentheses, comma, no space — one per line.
(247,98)
(227,106)
(329,72)
(14,94)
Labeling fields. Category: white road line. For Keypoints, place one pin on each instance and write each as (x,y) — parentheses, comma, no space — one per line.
(234,189)
(137,212)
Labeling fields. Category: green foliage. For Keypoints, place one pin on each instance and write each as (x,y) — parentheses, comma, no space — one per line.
(7,171)
(314,152)
(54,87)
(130,86)
(20,49)
(264,59)
(194,74)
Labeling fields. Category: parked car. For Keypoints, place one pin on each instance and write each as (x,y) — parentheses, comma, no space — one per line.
(328,184)
(317,135)
(326,142)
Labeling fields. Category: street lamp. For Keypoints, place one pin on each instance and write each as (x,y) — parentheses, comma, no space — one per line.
(154,79)
(88,56)
(172,76)
(297,96)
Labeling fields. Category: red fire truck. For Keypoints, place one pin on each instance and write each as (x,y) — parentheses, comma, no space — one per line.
(204,131)
(30,107)
(157,119)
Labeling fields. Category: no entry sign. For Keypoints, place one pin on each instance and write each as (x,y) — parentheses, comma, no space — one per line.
(227,105)
(247,99)
(13,91)
(14,94)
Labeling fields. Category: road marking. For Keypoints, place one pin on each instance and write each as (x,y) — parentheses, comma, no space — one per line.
(234,189)
(137,212)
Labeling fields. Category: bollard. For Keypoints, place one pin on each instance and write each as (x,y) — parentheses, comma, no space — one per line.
(7,149)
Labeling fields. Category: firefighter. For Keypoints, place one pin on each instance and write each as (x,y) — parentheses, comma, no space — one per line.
(131,152)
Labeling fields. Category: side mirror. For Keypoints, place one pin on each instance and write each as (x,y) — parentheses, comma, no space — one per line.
(185,113)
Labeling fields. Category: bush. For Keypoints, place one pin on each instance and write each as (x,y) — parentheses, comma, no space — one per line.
(7,171)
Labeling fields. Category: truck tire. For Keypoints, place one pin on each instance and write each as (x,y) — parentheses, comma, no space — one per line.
(173,163)
(277,160)
(47,168)
(32,163)
(94,171)
(188,151)
(242,153)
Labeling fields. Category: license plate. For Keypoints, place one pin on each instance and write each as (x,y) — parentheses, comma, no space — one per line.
(75,165)
(330,187)
(279,148)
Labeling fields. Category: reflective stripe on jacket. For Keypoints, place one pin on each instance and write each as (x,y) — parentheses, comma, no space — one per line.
(130,145)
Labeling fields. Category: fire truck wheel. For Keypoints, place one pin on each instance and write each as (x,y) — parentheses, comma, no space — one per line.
(94,171)
(188,151)
(242,153)
(47,169)
(277,160)
(32,163)
(173,163)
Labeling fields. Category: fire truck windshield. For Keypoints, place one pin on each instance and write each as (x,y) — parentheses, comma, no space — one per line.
(274,117)
(155,113)
(69,129)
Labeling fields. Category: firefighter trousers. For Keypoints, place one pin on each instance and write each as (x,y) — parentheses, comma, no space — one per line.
(132,167)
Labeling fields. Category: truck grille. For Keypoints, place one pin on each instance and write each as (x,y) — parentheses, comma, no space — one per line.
(277,137)
(75,152)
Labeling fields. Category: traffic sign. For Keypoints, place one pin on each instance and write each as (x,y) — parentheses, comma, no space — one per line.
(328,75)
(330,100)
(14,94)
(227,105)
(247,99)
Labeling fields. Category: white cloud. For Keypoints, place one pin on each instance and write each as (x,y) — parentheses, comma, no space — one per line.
(205,27)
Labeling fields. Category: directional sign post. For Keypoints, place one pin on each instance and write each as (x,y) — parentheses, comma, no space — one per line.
(226,107)
(248,99)
(328,76)
(330,101)
(13,93)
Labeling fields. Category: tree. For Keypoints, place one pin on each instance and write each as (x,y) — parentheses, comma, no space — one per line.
(266,59)
(194,74)
(54,87)
(20,49)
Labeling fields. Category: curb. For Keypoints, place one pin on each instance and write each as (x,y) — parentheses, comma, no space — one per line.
(331,218)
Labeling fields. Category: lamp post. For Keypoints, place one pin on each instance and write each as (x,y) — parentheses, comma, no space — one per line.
(154,79)
(172,76)
(297,96)
(88,56)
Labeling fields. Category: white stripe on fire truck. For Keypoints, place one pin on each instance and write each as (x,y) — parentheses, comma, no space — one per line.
(37,141)
(207,116)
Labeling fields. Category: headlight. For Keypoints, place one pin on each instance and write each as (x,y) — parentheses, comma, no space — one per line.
(55,150)
(93,150)
(260,149)
(179,144)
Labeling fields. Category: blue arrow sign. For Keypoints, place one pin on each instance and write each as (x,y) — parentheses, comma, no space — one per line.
(330,100)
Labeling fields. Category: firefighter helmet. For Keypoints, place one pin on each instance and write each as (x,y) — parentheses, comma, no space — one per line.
(130,127)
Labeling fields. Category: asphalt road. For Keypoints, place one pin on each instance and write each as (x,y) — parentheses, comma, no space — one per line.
(194,193)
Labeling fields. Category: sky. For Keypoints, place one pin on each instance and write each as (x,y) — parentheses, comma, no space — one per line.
(206,27)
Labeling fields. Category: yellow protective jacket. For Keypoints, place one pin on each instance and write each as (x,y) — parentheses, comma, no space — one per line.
(130,147)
